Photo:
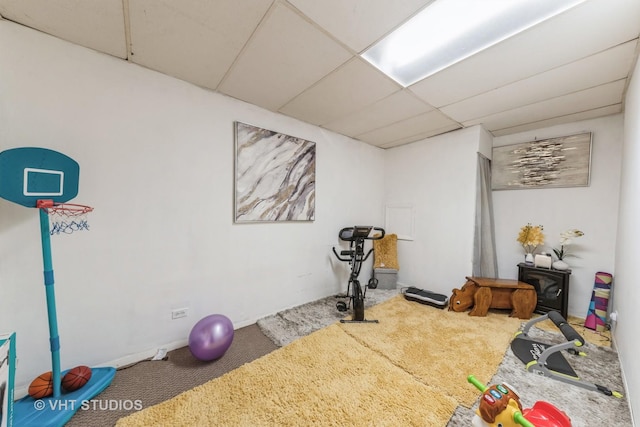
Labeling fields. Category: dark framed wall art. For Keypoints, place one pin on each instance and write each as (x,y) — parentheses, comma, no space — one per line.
(546,163)
(275,176)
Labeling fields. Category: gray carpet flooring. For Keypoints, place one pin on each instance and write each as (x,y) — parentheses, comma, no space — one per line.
(152,382)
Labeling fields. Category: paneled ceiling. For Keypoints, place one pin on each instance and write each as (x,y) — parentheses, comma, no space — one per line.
(301,58)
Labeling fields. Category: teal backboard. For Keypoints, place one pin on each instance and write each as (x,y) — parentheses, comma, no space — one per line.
(30,174)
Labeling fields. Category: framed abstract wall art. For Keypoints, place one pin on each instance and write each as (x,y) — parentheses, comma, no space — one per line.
(546,163)
(275,176)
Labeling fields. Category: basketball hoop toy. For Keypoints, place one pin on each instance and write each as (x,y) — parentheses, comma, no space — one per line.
(45,179)
(65,217)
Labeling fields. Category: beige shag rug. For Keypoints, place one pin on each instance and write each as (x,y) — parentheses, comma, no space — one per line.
(438,347)
(408,370)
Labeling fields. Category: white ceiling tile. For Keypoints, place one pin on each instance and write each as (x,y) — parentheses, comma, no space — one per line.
(98,25)
(193,40)
(597,97)
(420,136)
(575,34)
(604,67)
(393,108)
(569,118)
(289,53)
(359,23)
(350,88)
(418,125)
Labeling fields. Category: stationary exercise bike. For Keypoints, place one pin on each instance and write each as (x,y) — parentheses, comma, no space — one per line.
(355,256)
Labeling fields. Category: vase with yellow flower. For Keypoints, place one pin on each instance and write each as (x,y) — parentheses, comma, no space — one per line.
(530,238)
(566,238)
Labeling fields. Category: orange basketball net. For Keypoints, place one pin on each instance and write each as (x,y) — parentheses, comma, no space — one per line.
(65,217)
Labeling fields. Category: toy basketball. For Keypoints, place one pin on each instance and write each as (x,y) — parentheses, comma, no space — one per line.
(76,378)
(41,386)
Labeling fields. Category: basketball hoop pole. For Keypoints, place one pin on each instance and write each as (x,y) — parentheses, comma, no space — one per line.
(54,339)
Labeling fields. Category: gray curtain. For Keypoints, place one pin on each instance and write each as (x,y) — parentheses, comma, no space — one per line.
(485,263)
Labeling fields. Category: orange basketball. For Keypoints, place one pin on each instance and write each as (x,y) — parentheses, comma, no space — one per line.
(76,377)
(41,386)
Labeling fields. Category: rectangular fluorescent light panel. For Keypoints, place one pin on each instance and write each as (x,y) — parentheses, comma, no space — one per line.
(448,31)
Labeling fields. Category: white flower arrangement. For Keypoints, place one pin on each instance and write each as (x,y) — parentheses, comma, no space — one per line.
(565,240)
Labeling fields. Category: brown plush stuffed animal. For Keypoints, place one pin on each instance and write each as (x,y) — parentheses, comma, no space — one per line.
(483,293)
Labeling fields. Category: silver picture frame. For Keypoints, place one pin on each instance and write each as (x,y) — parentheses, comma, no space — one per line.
(547,163)
(275,176)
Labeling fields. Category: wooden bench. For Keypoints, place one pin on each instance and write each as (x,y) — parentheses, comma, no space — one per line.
(482,293)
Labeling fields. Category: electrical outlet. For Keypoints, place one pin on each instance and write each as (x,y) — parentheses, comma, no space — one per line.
(179,313)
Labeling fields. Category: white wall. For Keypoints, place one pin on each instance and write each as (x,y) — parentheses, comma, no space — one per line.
(437,178)
(156,159)
(592,209)
(627,291)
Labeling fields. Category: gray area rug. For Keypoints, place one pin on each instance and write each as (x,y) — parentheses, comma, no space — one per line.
(289,325)
(585,408)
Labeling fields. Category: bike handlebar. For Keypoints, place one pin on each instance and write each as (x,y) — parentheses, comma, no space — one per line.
(357,235)
(342,253)
(361,232)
